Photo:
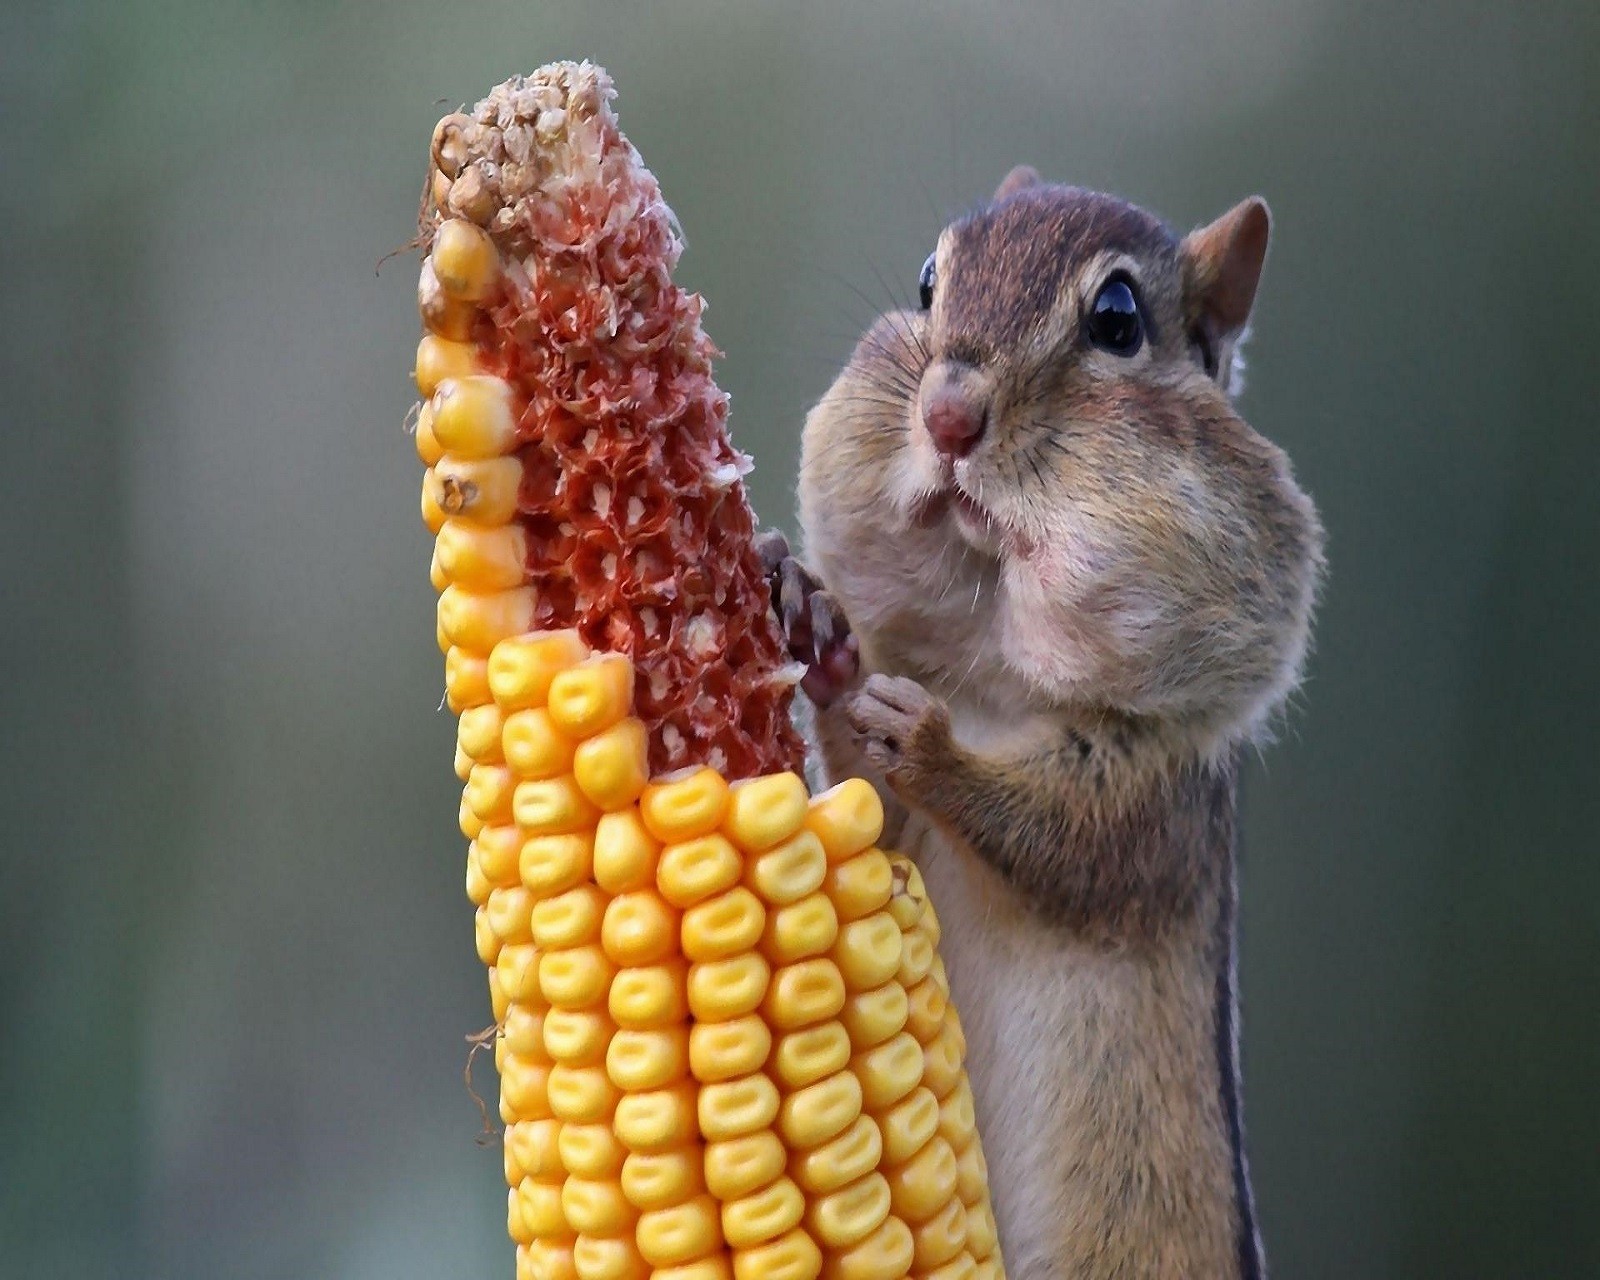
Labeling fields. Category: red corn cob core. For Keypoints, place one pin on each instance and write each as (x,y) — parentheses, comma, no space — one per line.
(638,530)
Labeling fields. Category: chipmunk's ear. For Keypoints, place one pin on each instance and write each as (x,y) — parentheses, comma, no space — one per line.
(1019,179)
(1221,269)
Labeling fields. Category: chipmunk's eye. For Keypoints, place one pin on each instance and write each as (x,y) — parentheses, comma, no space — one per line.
(1114,323)
(925,283)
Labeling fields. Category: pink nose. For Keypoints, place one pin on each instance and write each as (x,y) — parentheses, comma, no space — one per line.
(954,419)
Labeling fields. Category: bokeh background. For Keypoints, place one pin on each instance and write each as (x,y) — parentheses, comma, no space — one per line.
(236,963)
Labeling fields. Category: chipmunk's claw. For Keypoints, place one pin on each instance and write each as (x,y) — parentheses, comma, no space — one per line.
(814,626)
(897,722)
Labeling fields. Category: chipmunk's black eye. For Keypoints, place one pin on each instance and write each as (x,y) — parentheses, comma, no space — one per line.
(925,283)
(1114,323)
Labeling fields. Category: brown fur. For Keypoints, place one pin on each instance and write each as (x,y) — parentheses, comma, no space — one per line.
(1055,692)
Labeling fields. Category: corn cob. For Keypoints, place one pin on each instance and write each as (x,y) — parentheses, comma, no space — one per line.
(724,1036)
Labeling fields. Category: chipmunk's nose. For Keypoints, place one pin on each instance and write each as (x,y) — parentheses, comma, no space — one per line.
(955,408)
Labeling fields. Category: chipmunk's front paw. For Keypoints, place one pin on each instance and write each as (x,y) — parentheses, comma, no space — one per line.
(901,728)
(814,626)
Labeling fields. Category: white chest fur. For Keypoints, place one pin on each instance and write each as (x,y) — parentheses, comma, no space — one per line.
(1095,1075)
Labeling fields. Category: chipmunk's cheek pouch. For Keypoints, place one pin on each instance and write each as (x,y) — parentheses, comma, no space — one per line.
(1052,625)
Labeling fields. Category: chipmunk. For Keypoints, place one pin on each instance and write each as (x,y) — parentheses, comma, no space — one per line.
(1051,586)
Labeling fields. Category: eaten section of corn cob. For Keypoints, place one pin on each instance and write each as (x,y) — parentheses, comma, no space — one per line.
(724,1037)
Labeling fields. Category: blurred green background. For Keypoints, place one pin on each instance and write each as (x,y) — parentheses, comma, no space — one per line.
(236,962)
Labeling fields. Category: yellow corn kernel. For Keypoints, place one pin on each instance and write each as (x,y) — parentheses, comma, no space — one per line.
(685,807)
(732,1108)
(433,515)
(590,1150)
(465,261)
(850,1214)
(466,679)
(522,669)
(982,1238)
(441,313)
(524,1088)
(613,766)
(582,1095)
(920,1187)
(575,978)
(516,1226)
(469,822)
(639,1060)
(427,443)
(727,1050)
(639,928)
(860,885)
(541,1207)
(694,870)
(804,1057)
(735,1167)
(481,490)
(657,1120)
(485,559)
(792,1256)
(811,1116)
(941,1060)
(853,1154)
(479,620)
(961,1267)
(763,1215)
(488,793)
(522,1031)
(723,926)
(847,818)
(916,956)
(547,1260)
(868,951)
(509,912)
(941,1237)
(664,1179)
(569,919)
(577,1037)
(531,1147)
(478,887)
(484,936)
(551,864)
(597,1207)
(958,1117)
(926,1003)
(593,695)
(764,811)
(714,1267)
(609,1259)
(721,990)
(802,994)
(625,853)
(805,928)
(438,579)
(533,746)
(478,734)
(553,806)
(652,996)
(499,1002)
(885,1254)
(889,1072)
(518,967)
(789,870)
(475,416)
(681,1233)
(972,1186)
(908,1126)
(440,358)
(496,851)
(871,1017)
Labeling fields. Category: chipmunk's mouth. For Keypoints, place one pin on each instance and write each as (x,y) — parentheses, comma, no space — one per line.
(977,525)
